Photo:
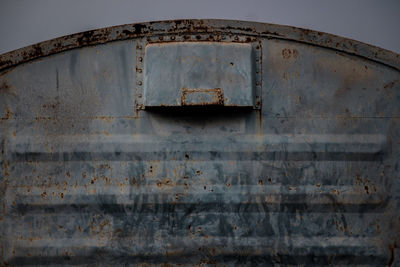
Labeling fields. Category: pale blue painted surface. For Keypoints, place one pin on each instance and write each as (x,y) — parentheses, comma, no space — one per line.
(311,178)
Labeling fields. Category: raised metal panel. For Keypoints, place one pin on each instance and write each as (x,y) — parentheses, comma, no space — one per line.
(310,176)
(171,69)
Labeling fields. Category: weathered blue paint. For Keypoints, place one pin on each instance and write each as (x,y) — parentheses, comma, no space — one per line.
(308,175)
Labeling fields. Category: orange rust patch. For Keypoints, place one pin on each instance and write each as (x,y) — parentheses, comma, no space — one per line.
(165,182)
(107,119)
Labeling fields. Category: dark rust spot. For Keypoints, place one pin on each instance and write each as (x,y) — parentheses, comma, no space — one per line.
(392,255)
(389,85)
(366,189)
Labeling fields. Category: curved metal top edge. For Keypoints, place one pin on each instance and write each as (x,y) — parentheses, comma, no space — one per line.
(193,26)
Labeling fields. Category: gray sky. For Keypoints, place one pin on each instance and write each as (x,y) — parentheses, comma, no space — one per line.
(25,22)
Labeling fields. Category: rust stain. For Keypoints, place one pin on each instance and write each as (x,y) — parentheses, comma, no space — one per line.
(392,248)
(203,97)
(290,53)
(388,88)
(108,119)
(378,228)
(165,182)
(6,88)
(390,85)
(5,161)
(8,114)
(366,189)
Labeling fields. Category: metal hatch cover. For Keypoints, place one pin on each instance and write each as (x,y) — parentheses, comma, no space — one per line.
(199,73)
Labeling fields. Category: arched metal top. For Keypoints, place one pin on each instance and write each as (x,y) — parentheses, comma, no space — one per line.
(212,26)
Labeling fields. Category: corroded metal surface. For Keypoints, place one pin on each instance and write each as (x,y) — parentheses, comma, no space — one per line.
(213,27)
(307,176)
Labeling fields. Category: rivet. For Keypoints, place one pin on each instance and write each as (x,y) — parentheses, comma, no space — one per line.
(140,59)
(172,37)
(160,38)
(140,83)
(236,38)
(140,70)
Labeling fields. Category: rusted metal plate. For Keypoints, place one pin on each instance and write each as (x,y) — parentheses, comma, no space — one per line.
(89,176)
(202,97)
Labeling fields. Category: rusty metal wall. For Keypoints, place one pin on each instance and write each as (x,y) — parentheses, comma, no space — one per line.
(309,175)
